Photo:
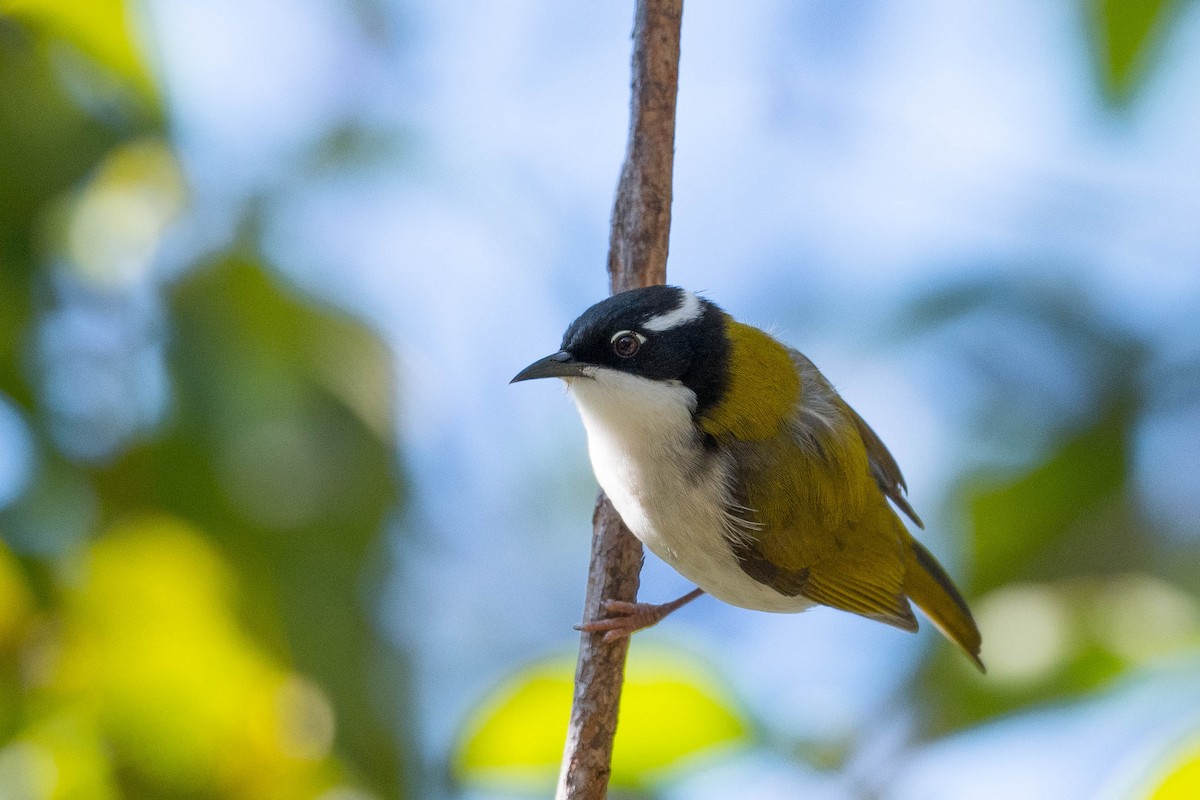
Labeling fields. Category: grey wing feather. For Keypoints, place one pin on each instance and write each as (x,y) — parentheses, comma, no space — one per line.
(884,469)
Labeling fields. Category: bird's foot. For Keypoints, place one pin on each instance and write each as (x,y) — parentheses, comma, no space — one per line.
(624,619)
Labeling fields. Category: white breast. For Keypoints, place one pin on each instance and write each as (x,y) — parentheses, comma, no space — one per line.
(669,491)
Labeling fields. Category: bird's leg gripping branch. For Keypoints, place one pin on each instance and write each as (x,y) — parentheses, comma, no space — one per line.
(625,618)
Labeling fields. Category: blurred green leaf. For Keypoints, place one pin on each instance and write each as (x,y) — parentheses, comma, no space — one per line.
(279,446)
(17,615)
(1018,524)
(63,756)
(672,710)
(1180,777)
(1127,37)
(147,629)
(47,144)
(107,233)
(101,30)
(1046,642)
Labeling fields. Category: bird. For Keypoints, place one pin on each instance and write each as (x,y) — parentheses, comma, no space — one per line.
(734,460)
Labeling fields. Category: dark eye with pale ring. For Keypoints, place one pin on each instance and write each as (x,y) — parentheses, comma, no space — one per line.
(626,344)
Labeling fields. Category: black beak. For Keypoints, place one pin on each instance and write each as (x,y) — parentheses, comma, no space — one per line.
(559,365)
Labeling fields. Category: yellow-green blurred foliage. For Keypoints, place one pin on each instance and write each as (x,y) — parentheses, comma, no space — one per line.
(1180,777)
(147,672)
(672,709)
(1074,584)
(1126,35)
(184,604)
(102,31)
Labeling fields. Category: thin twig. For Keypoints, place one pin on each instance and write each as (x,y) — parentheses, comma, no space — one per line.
(637,256)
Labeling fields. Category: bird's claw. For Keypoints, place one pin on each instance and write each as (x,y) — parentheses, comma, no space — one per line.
(625,619)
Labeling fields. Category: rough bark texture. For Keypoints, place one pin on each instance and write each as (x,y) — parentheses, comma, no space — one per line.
(637,256)
(641,223)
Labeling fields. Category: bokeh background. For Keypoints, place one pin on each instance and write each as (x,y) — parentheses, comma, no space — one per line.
(274,526)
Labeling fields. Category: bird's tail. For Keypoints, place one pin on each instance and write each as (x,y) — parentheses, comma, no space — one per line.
(928,585)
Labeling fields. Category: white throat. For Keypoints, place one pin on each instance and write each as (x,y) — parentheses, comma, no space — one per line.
(641,438)
(671,492)
(631,409)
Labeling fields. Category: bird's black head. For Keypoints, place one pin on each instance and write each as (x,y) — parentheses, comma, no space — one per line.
(661,333)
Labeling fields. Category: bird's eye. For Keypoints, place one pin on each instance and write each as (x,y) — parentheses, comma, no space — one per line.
(626,344)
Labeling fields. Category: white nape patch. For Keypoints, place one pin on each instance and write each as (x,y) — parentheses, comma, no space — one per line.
(689,308)
(668,489)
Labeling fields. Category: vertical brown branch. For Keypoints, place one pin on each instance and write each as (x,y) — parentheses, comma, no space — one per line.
(641,222)
(637,256)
